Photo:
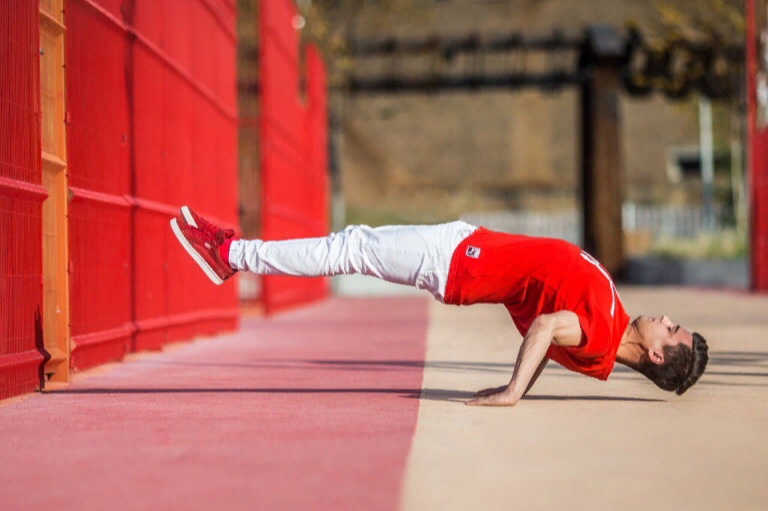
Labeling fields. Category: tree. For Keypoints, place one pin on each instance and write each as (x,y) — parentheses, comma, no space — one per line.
(723,19)
(331,25)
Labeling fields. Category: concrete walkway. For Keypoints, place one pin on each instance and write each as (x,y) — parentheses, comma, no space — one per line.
(578,443)
(320,409)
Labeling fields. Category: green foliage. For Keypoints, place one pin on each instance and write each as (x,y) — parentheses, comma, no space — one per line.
(690,18)
(721,245)
(330,23)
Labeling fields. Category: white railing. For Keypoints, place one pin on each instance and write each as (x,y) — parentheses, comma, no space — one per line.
(565,225)
(673,221)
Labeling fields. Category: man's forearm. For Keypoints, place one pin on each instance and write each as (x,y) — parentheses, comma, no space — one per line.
(536,375)
(529,359)
(561,328)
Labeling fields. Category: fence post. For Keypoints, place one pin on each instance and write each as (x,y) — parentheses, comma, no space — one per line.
(758,150)
(601,163)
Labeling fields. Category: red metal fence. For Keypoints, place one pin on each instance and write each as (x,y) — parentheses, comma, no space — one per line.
(293,148)
(99,177)
(757,28)
(152,125)
(21,198)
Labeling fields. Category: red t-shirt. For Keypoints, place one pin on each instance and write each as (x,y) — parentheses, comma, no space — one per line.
(534,276)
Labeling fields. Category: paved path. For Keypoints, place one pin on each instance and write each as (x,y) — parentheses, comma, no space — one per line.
(579,443)
(319,409)
(292,413)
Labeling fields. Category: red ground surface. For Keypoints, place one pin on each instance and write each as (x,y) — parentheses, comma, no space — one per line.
(290,413)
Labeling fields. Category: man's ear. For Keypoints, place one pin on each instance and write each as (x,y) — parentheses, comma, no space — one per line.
(657,357)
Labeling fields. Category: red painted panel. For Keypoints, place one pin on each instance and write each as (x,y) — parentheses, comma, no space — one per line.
(150,122)
(758,165)
(182,125)
(293,149)
(150,125)
(21,198)
(177,43)
(98,154)
(759,213)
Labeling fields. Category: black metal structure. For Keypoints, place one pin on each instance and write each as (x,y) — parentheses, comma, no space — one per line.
(603,63)
(443,53)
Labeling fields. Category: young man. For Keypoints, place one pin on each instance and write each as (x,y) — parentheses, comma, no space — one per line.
(560,298)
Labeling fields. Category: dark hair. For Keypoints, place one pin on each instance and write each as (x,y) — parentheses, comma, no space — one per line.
(682,366)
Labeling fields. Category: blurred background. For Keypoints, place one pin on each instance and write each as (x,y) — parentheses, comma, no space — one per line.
(448,109)
(635,129)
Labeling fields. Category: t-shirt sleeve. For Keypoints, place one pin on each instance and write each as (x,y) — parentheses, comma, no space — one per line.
(595,342)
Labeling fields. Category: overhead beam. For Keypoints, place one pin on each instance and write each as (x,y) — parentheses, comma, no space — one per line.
(415,85)
(469,43)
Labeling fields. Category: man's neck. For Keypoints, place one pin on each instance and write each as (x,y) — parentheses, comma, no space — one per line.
(630,350)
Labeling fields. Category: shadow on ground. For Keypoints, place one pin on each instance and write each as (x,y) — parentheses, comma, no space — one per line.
(429,394)
(726,364)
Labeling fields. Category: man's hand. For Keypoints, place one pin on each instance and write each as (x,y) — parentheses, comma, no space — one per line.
(561,328)
(497,396)
(496,390)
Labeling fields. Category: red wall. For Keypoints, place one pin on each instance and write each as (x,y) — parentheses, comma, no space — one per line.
(99,178)
(21,198)
(758,161)
(293,149)
(151,126)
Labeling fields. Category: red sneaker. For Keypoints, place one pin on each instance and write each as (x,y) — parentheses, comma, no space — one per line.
(201,239)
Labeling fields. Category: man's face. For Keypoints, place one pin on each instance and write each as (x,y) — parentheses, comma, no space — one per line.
(658,332)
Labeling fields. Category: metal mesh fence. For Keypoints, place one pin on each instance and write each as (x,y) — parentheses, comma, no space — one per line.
(21,197)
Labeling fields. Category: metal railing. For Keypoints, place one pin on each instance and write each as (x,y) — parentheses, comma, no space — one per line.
(672,221)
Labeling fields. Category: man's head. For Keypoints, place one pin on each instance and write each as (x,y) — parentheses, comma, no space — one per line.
(674,357)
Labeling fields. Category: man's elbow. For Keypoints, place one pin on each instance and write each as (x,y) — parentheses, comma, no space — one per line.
(545,323)
(561,328)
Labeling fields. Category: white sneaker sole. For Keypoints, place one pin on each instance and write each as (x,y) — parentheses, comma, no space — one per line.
(191,251)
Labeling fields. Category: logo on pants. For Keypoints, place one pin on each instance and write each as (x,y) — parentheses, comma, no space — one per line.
(473,252)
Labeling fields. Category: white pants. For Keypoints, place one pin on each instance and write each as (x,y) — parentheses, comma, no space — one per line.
(418,255)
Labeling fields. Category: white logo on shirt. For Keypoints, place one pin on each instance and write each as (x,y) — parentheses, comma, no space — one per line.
(473,252)
(600,268)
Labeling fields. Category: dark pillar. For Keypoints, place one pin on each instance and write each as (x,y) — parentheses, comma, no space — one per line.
(601,162)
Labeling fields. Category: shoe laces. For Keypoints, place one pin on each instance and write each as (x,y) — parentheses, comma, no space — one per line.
(214,233)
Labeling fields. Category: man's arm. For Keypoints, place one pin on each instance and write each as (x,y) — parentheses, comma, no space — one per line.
(536,375)
(561,328)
